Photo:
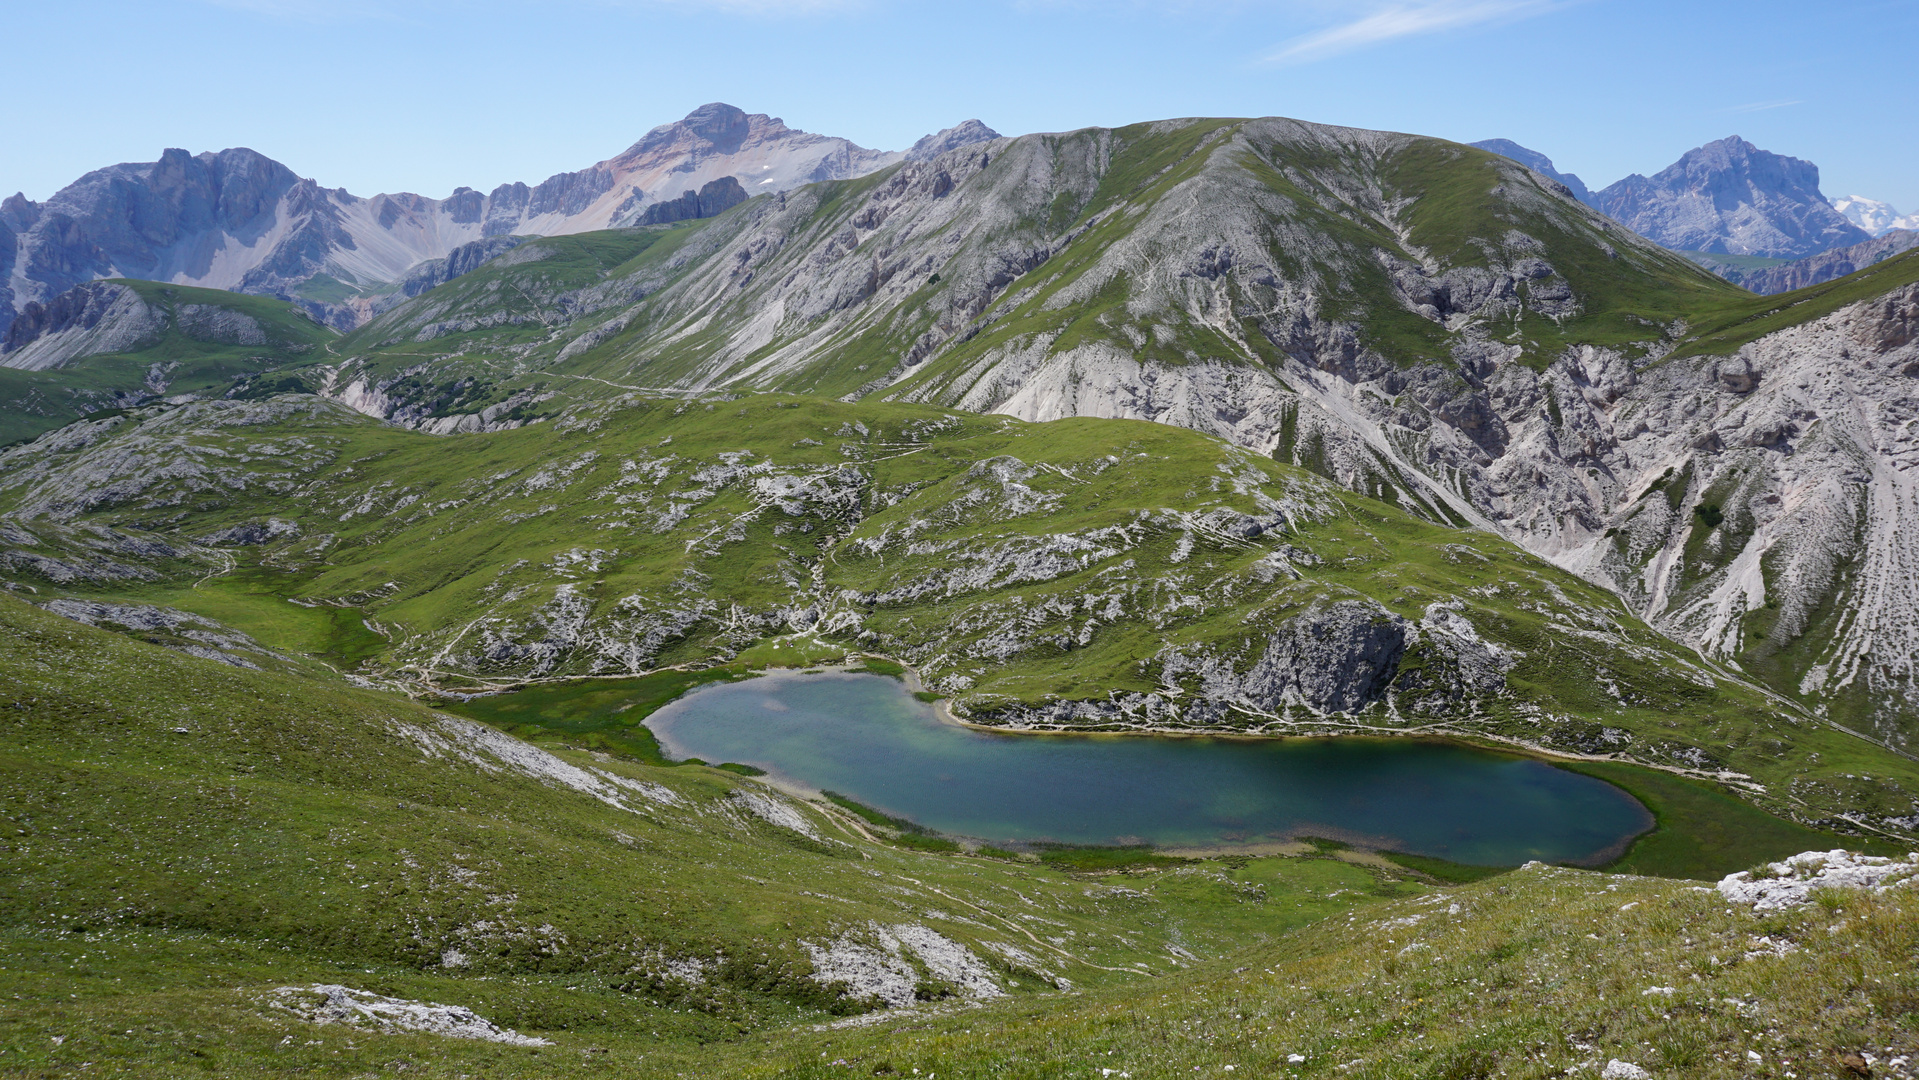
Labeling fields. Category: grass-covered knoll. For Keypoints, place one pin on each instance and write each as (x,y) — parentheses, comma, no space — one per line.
(1078,574)
(477,339)
(177,359)
(205,834)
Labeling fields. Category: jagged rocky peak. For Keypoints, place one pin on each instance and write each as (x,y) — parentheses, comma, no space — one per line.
(1732,198)
(1538,163)
(964,133)
(240,221)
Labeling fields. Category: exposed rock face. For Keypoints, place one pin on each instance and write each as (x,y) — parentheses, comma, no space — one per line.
(460,261)
(965,133)
(1732,197)
(1337,657)
(178,630)
(238,220)
(1826,266)
(87,320)
(712,200)
(1538,163)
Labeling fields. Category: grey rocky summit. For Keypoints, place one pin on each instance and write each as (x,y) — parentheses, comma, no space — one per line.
(1733,198)
(965,133)
(277,232)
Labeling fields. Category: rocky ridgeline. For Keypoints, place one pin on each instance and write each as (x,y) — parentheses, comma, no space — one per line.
(278,231)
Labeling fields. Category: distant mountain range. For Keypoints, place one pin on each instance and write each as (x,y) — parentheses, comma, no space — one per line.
(1762,213)
(1877,218)
(240,221)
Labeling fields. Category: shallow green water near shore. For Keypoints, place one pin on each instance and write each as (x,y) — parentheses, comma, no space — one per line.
(867,737)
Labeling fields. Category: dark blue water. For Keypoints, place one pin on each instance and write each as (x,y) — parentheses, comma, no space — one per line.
(866,737)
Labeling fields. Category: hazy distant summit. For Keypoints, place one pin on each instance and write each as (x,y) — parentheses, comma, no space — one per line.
(1728,197)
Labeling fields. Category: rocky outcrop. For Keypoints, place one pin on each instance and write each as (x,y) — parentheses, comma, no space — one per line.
(712,200)
(1734,198)
(87,320)
(460,261)
(177,630)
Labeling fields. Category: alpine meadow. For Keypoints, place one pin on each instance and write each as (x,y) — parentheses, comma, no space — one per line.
(365,557)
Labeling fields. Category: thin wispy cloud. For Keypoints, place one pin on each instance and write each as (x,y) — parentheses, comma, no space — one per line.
(1407,20)
(1762,106)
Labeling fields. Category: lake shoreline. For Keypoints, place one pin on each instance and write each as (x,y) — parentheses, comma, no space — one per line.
(1216,799)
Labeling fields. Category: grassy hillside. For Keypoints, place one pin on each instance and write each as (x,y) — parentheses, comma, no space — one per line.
(182,839)
(192,818)
(1236,241)
(177,362)
(1081,574)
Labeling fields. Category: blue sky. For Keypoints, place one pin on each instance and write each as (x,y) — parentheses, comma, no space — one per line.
(427,95)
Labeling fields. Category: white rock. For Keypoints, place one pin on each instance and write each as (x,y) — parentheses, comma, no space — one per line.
(1623,1070)
(1792,881)
(361,1008)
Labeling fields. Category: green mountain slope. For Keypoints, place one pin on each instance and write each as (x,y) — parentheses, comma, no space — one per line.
(1081,575)
(1234,241)
(185,341)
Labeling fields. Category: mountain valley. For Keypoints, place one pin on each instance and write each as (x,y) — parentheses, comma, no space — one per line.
(337,598)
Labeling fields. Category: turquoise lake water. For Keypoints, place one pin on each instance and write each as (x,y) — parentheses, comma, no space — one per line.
(865,737)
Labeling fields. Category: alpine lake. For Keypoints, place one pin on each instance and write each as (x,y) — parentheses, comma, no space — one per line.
(867,738)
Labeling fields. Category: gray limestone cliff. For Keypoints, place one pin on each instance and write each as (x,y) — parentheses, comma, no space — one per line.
(1734,198)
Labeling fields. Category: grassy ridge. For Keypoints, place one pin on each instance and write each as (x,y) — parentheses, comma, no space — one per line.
(1722,331)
